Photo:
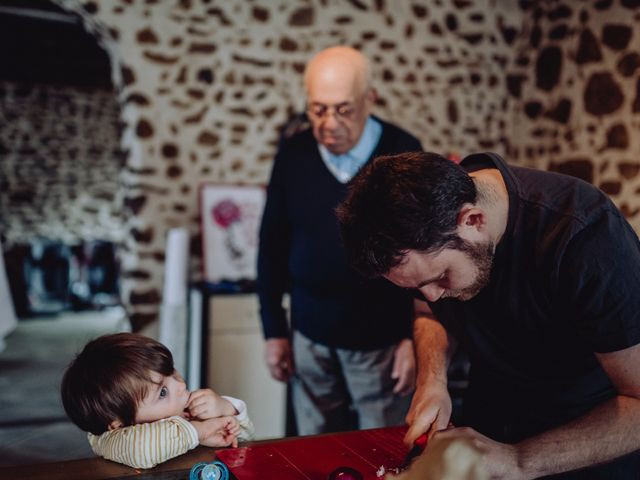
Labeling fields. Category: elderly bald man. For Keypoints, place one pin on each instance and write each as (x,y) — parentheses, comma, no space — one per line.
(348,349)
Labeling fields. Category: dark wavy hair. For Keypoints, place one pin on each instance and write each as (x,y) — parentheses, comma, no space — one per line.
(110,377)
(402,202)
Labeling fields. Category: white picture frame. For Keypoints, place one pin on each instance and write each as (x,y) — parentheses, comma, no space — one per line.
(230,218)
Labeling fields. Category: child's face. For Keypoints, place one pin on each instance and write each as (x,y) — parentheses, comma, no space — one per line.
(167,397)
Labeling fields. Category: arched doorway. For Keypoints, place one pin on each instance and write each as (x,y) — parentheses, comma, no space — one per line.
(61,217)
(61,161)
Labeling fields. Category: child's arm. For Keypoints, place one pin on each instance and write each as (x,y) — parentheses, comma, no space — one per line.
(206,404)
(145,445)
(217,432)
(247,430)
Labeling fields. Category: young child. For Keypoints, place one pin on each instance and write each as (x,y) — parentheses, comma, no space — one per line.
(124,391)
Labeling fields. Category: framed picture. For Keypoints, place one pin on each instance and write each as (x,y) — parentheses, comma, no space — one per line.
(230,216)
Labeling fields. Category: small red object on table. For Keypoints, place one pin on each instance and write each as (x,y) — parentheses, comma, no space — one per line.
(418,447)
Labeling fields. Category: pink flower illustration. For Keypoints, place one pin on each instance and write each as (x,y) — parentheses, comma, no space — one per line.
(228,215)
(225,213)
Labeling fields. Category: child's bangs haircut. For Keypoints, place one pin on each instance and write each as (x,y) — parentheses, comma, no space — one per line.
(110,378)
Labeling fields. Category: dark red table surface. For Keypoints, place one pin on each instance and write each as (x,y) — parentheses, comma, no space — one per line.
(314,458)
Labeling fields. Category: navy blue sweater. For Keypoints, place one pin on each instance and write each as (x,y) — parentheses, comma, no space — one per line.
(301,252)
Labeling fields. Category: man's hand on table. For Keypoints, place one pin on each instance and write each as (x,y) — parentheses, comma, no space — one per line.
(430,411)
(498,460)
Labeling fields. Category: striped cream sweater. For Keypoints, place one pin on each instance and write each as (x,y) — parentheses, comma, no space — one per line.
(145,445)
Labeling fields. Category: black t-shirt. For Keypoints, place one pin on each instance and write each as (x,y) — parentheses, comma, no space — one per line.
(564,284)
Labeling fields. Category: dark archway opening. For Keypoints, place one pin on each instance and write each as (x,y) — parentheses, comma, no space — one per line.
(60,218)
(59,162)
(42,43)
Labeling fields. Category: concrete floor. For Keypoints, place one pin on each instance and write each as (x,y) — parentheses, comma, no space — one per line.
(33,425)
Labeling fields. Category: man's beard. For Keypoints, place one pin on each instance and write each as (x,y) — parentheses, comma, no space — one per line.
(481,254)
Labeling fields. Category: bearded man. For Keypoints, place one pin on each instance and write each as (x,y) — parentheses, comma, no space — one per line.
(537,275)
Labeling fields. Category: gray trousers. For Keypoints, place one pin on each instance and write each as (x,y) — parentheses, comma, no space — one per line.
(331,386)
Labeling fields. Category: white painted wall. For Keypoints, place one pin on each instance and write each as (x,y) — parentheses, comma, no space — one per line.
(236,362)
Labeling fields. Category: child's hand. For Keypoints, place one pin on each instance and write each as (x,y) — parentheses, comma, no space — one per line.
(218,432)
(204,404)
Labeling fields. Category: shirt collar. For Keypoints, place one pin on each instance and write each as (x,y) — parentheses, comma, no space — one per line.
(366,144)
(368,141)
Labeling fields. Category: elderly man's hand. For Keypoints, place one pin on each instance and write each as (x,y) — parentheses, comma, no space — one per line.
(404,368)
(279,358)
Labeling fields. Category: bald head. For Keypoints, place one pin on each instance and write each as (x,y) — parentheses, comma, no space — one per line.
(339,63)
(339,96)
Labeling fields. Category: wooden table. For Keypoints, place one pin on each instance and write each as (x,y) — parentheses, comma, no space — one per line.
(99,469)
(310,458)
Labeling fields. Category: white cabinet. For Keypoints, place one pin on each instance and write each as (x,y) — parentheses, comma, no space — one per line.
(8,320)
(236,362)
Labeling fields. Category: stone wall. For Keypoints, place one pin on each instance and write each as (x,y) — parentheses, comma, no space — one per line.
(204,87)
(60,164)
(575,95)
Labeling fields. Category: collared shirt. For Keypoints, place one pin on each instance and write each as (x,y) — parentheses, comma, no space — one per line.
(346,165)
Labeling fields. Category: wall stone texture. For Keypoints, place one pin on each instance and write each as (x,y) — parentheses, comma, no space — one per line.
(60,164)
(204,87)
(575,95)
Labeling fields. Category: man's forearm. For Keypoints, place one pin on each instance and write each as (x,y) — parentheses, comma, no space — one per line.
(434,349)
(609,431)
(431,406)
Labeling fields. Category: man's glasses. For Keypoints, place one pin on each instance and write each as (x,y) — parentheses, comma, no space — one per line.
(342,111)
